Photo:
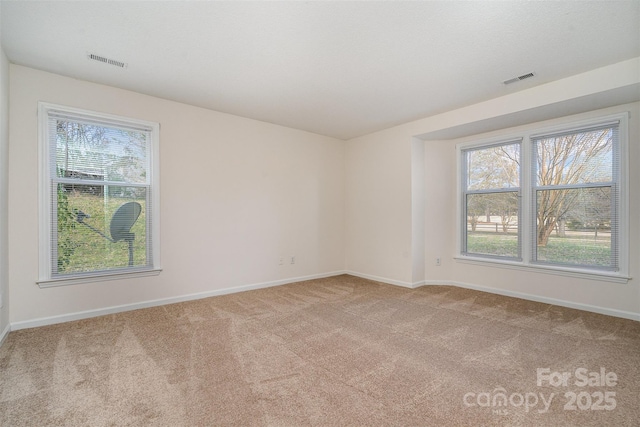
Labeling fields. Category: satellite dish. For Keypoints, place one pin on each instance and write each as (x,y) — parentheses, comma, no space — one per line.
(122,221)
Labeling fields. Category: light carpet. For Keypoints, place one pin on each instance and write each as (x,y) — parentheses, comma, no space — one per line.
(341,351)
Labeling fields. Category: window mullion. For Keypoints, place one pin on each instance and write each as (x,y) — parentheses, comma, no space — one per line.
(495,190)
(523,199)
(80,181)
(574,186)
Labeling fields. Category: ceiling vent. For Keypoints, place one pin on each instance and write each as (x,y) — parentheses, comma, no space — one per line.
(99,58)
(517,79)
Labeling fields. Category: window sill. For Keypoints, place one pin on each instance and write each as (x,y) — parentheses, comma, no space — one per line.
(98,277)
(545,269)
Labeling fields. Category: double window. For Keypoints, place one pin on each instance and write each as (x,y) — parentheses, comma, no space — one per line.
(98,193)
(553,198)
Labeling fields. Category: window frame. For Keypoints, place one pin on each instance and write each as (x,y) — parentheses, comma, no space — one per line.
(46,278)
(466,192)
(528,206)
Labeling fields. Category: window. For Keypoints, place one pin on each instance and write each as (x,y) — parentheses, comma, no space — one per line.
(491,202)
(575,194)
(553,198)
(99,195)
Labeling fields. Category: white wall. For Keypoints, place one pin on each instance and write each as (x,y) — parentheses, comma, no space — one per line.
(4,167)
(236,194)
(379,233)
(418,212)
(378,208)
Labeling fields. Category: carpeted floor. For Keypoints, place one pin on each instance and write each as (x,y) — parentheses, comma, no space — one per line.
(341,351)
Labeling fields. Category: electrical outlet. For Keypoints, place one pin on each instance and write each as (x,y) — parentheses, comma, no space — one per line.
(438,262)
(293,259)
(281,261)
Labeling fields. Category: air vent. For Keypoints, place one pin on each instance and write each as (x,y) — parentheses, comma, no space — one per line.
(517,79)
(107,60)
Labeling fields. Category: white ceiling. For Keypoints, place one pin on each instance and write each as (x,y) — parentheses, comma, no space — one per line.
(342,69)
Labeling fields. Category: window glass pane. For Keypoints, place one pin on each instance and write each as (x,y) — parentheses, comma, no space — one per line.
(574,226)
(91,236)
(572,198)
(492,224)
(86,151)
(577,158)
(494,167)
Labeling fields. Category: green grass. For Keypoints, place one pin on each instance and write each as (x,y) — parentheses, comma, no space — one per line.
(90,251)
(575,250)
(501,244)
(578,251)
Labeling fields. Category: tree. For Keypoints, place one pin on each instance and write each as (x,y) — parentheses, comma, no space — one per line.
(118,154)
(592,209)
(476,206)
(506,205)
(565,161)
(67,222)
(496,170)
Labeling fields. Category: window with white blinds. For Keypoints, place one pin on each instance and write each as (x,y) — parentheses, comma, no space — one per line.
(98,192)
(491,200)
(575,194)
(554,198)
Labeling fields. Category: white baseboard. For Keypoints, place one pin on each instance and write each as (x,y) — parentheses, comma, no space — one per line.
(563,303)
(521,295)
(384,280)
(44,321)
(171,300)
(4,334)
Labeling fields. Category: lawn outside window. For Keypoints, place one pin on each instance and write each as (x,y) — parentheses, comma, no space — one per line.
(99,215)
(554,199)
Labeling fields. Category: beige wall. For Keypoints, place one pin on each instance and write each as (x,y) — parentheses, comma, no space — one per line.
(236,195)
(4,167)
(378,208)
(379,205)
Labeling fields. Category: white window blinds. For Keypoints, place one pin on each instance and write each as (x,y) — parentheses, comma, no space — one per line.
(99,173)
(575,197)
